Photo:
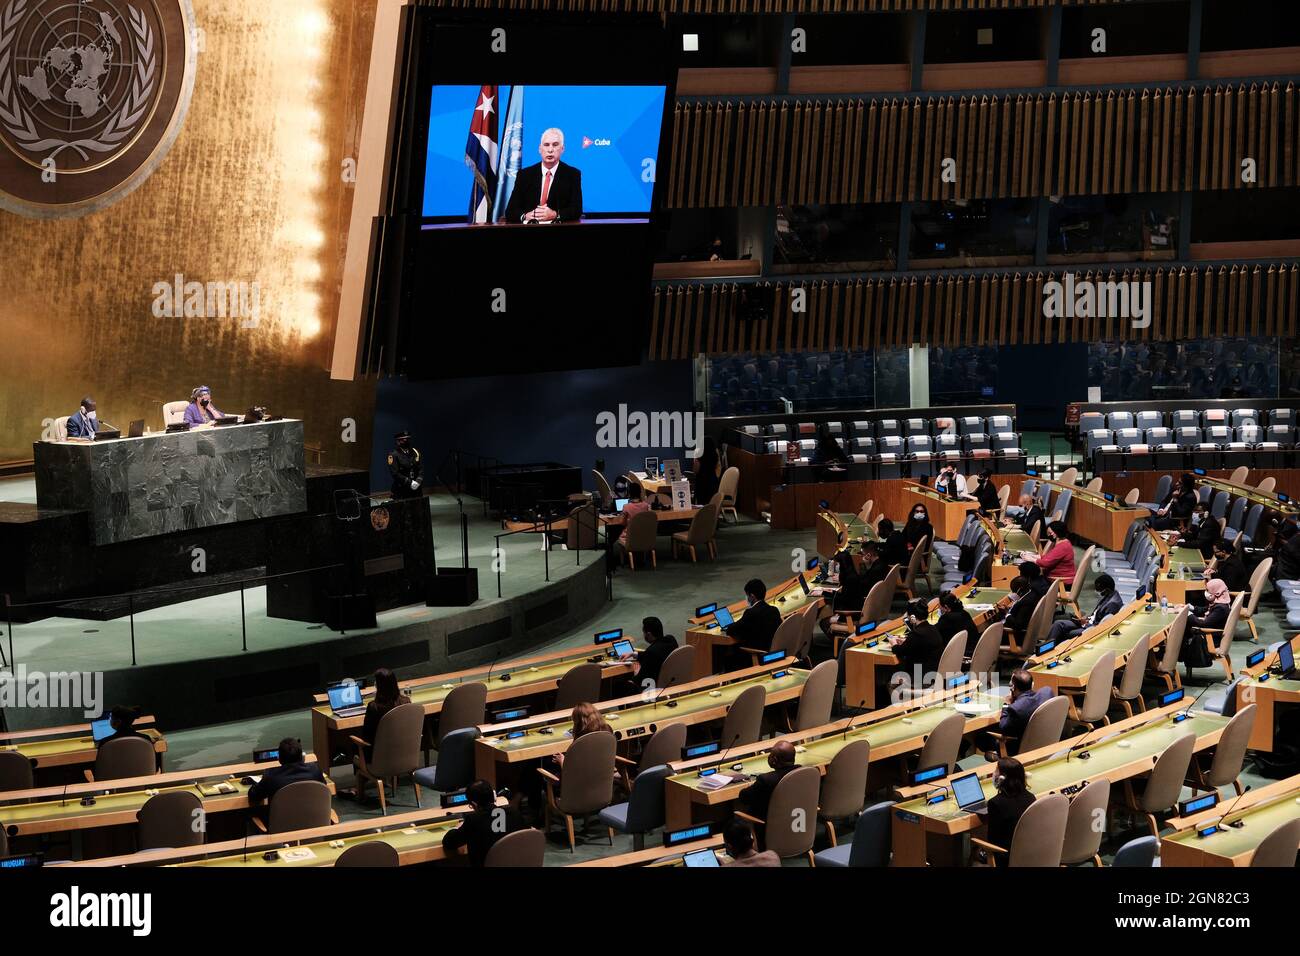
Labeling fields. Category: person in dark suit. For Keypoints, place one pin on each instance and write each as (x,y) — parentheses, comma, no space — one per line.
(483,826)
(1033,574)
(1021,609)
(756,627)
(83,424)
(755,799)
(292,769)
(405,467)
(1286,553)
(1203,532)
(1227,566)
(549,191)
(873,571)
(1007,806)
(122,719)
(650,662)
(919,649)
(1177,507)
(852,590)
(1030,514)
(1109,601)
(986,493)
(954,619)
(1020,706)
(739,840)
(893,550)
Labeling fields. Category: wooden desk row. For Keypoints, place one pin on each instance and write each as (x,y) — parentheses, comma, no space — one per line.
(1066,666)
(1009,542)
(1182,569)
(1096,518)
(71,747)
(1260,811)
(1268,499)
(1266,691)
(946,514)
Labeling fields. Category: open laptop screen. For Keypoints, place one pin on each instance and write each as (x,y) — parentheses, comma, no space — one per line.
(344,696)
(967,790)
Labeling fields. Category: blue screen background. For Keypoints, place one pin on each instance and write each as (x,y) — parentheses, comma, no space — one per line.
(628,116)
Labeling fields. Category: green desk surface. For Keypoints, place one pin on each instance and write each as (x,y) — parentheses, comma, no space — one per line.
(635,715)
(1260,822)
(787,601)
(404,840)
(822,750)
(1189,558)
(503,677)
(1015,540)
(857,528)
(1084,654)
(1275,683)
(16,814)
(1253,494)
(65,745)
(977,605)
(1054,773)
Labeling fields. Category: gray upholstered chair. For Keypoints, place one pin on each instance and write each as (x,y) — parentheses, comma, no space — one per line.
(1166,667)
(791,813)
(984,658)
(579,685)
(521,848)
(844,787)
(122,758)
(588,782)
(1039,838)
(1044,727)
(1090,710)
(915,568)
(1230,752)
(455,767)
(664,746)
(1164,785)
(395,752)
(304,805)
(942,746)
(15,771)
(744,721)
(465,706)
(727,486)
(1138,852)
(168,820)
(372,853)
(603,490)
(872,838)
(644,809)
(1278,849)
(1082,835)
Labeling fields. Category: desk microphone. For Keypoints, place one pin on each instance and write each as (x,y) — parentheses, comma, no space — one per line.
(1235,824)
(495,661)
(723,759)
(1083,743)
(849,726)
(63,796)
(655,701)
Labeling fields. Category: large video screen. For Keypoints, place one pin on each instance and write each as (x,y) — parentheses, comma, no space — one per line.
(495,152)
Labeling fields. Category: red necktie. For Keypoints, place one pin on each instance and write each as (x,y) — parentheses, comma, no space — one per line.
(546,187)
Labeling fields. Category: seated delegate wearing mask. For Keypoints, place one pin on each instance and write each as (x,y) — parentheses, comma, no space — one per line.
(200,410)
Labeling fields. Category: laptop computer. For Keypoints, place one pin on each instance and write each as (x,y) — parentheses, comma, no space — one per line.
(99,729)
(108,434)
(136,429)
(969,793)
(1286,661)
(345,700)
(619,503)
(701,858)
(723,617)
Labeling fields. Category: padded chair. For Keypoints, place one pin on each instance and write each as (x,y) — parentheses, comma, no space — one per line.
(1140,852)
(744,721)
(455,767)
(61,427)
(700,534)
(579,685)
(1184,418)
(1256,585)
(1070,599)
(603,490)
(984,658)
(304,805)
(640,537)
(1045,727)
(1132,497)
(1148,419)
(1094,486)
(374,854)
(1278,849)
(664,746)
(1091,421)
(816,698)
(943,745)
(521,848)
(174,412)
(644,809)
(1091,709)
(15,771)
(167,821)
(122,758)
(395,753)
(872,838)
(465,706)
(786,639)
(588,782)
(1267,485)
(1229,753)
(678,667)
(792,809)
(1082,835)
(727,486)
(1238,476)
(1164,785)
(1166,668)
(1129,689)
(914,569)
(844,787)
(1219,642)
(1039,838)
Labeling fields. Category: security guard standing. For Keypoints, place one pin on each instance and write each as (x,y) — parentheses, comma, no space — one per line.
(406,469)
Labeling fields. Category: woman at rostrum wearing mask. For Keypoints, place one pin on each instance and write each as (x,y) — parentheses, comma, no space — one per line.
(200,410)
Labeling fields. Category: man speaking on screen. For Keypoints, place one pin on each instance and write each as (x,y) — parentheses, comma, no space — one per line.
(549,191)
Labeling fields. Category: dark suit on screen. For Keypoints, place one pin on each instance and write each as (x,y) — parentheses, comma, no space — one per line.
(565,196)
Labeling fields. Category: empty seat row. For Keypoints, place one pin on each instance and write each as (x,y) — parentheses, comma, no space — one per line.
(1189,438)
(885,428)
(944,447)
(1186,418)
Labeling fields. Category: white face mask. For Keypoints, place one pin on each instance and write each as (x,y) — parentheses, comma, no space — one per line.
(918,515)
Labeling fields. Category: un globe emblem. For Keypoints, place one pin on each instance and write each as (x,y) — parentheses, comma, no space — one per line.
(92,95)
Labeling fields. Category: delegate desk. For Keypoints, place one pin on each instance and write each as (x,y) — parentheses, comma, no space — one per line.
(787,597)
(1262,811)
(71,746)
(632,717)
(562,524)
(1098,516)
(946,514)
(1182,569)
(530,677)
(835,532)
(873,653)
(1009,541)
(924,831)
(661,855)
(48,810)
(416,836)
(1066,666)
(1270,500)
(1266,690)
(162,483)
(893,732)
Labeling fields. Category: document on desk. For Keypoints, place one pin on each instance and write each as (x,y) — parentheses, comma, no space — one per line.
(297,854)
(716,781)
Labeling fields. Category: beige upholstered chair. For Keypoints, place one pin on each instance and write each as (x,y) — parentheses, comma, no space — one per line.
(1278,849)
(1257,579)
(1230,752)
(1166,666)
(864,513)
(173,412)
(579,685)
(122,758)
(844,788)
(1131,498)
(744,721)
(304,805)
(1034,533)
(1219,642)
(984,658)
(1164,785)
(816,697)
(1044,728)
(640,538)
(1039,623)
(790,814)
(521,848)
(1070,599)
(603,490)
(1091,709)
(678,667)
(1129,689)
(1039,839)
(395,752)
(787,638)
(167,820)
(664,747)
(727,486)
(943,746)
(61,428)
(1094,485)
(373,854)
(465,706)
(914,567)
(1238,476)
(1082,835)
(1267,485)
(1069,476)
(588,784)
(700,534)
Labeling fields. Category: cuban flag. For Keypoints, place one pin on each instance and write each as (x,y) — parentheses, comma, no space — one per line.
(512,151)
(481,155)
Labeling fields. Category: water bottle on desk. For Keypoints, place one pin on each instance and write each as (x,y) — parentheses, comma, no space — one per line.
(1164,603)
